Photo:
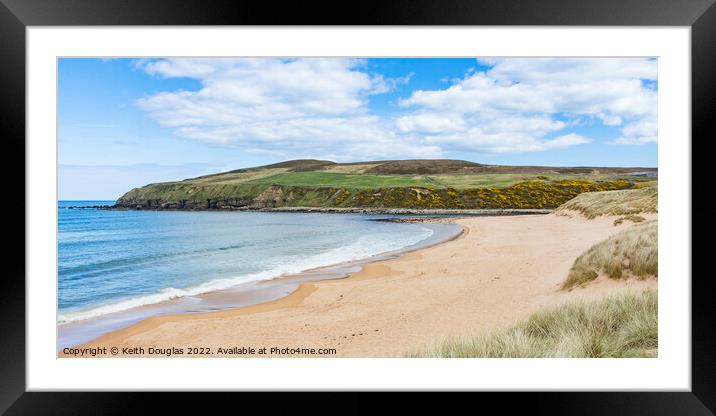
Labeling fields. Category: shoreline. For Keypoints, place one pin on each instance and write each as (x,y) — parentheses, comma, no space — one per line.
(344,210)
(302,290)
(497,271)
(249,293)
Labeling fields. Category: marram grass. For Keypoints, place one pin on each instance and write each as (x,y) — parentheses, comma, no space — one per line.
(631,217)
(633,252)
(621,325)
(617,202)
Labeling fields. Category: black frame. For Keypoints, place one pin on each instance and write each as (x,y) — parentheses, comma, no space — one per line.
(15,15)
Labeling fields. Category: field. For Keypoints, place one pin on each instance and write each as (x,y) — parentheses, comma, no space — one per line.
(496,180)
(341,180)
(354,176)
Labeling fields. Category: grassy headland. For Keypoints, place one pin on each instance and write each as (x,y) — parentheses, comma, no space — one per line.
(421,184)
(623,325)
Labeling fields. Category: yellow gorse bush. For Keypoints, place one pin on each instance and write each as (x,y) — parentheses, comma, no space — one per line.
(524,195)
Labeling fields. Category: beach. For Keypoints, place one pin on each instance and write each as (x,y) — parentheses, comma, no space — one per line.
(498,271)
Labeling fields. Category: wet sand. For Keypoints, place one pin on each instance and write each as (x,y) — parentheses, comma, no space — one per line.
(498,271)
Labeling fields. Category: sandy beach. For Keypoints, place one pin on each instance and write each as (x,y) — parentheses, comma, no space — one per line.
(498,271)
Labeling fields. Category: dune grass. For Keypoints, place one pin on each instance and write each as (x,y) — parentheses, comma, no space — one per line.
(631,217)
(621,202)
(621,325)
(632,252)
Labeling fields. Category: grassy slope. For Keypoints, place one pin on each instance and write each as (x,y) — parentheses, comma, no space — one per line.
(341,180)
(632,252)
(233,178)
(623,325)
(323,183)
(359,180)
(622,202)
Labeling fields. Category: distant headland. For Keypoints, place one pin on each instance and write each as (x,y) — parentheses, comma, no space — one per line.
(412,186)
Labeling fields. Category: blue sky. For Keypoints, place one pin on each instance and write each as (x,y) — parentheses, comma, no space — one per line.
(124,123)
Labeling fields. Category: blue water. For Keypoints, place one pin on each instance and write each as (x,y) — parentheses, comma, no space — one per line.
(113,261)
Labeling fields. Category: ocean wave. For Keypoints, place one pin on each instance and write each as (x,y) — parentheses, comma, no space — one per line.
(70,273)
(363,248)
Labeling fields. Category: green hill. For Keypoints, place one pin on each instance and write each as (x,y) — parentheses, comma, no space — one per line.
(416,184)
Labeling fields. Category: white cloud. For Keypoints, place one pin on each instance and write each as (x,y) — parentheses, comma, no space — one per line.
(319,107)
(383,85)
(273,105)
(566,140)
(477,140)
(516,103)
(571,70)
(253,89)
(639,132)
(429,123)
(610,120)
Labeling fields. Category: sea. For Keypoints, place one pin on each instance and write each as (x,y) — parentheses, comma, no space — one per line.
(115,268)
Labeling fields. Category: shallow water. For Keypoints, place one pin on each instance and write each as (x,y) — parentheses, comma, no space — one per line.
(117,267)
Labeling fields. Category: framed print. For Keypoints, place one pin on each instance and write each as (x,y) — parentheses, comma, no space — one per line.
(463,197)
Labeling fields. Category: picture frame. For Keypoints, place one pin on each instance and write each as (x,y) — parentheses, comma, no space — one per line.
(17,15)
